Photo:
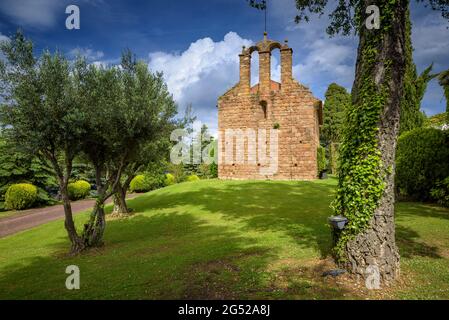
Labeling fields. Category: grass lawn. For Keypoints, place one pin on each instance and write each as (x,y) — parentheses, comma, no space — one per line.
(223,239)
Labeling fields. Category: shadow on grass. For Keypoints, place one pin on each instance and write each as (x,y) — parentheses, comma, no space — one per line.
(179,255)
(427,210)
(144,257)
(410,245)
(300,210)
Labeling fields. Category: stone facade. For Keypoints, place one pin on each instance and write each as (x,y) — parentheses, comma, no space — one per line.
(255,112)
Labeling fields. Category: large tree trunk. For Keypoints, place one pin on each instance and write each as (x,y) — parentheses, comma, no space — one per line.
(119,198)
(375,245)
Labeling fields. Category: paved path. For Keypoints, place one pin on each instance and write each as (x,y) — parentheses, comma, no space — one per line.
(30,218)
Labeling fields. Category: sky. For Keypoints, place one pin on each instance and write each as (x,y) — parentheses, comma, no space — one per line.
(196,43)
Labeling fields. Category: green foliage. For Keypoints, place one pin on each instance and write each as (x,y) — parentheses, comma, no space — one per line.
(13,166)
(440,192)
(179,172)
(213,169)
(154,181)
(192,178)
(20,196)
(321,159)
(83,170)
(337,101)
(421,161)
(443,80)
(169,179)
(17,166)
(78,190)
(436,120)
(139,184)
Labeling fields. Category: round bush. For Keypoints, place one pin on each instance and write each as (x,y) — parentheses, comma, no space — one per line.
(154,181)
(421,161)
(169,179)
(192,178)
(139,184)
(79,190)
(20,196)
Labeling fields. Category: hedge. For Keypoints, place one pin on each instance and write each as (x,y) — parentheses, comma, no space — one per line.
(79,189)
(421,161)
(20,196)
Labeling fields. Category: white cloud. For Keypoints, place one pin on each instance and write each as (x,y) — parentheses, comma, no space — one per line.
(206,66)
(36,13)
(200,74)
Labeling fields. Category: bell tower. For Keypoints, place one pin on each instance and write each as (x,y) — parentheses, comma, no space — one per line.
(264,49)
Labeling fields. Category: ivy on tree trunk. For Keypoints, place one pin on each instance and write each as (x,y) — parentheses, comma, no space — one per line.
(366,183)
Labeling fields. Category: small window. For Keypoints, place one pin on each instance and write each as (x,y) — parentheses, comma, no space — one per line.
(263,104)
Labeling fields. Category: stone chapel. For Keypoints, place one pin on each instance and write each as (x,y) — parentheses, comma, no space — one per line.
(269,130)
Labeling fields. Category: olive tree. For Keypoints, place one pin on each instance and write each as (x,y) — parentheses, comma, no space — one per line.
(41,113)
(126,107)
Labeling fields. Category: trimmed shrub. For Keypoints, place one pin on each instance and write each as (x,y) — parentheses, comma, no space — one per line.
(440,193)
(169,179)
(154,181)
(193,178)
(78,190)
(421,161)
(139,184)
(20,196)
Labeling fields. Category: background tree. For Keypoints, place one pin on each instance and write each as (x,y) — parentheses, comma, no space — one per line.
(154,146)
(443,80)
(41,113)
(365,193)
(337,100)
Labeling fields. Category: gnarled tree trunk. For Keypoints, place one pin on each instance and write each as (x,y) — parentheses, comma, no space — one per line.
(119,198)
(94,229)
(375,244)
(77,244)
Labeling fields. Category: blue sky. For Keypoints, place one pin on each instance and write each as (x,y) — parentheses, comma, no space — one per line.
(196,43)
